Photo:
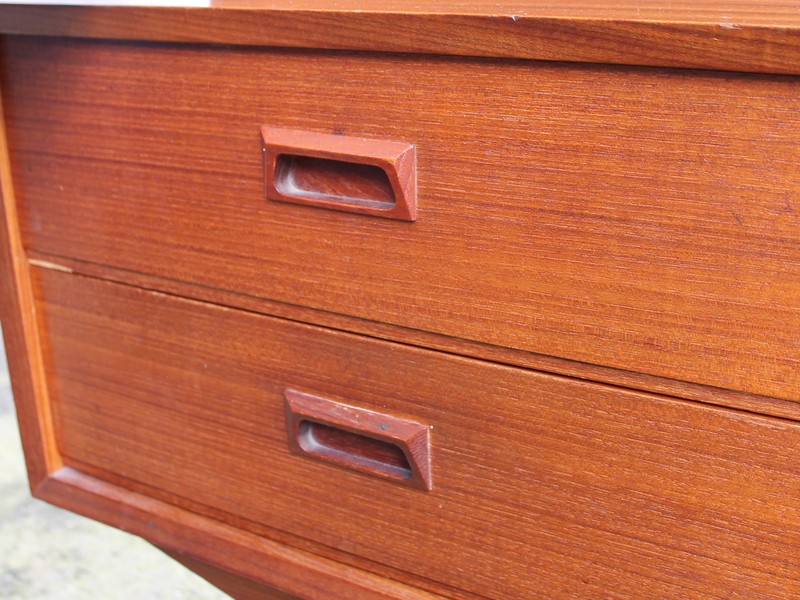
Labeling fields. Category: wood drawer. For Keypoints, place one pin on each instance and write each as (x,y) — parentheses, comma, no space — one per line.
(641,219)
(542,486)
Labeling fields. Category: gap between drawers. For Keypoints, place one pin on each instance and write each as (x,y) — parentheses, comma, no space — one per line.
(729,399)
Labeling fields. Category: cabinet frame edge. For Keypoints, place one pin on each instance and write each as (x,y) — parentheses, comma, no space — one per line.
(241,553)
(22,336)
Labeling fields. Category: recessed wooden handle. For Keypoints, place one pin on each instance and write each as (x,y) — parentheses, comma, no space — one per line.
(370,177)
(359,439)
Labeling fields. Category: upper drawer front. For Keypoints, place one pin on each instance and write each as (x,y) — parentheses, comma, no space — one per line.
(542,487)
(635,218)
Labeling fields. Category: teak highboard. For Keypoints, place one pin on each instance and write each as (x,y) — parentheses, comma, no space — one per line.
(395,300)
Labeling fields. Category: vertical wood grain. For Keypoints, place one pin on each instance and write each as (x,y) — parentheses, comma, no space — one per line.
(22,338)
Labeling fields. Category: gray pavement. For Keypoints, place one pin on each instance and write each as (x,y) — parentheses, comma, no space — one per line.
(50,554)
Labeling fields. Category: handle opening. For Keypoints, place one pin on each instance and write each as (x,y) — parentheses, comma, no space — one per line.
(356,449)
(384,445)
(312,178)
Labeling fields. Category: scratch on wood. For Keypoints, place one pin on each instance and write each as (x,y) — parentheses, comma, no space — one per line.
(44,264)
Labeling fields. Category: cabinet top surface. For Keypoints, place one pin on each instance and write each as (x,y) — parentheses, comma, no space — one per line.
(731,35)
(770,13)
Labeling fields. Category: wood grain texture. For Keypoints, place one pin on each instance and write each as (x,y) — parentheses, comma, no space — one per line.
(545,487)
(190,505)
(236,587)
(739,35)
(208,541)
(722,397)
(631,218)
(21,337)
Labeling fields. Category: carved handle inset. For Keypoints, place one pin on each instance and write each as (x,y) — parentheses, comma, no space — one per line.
(358,438)
(352,174)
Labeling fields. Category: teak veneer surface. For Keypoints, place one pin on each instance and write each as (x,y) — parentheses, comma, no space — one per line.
(631,225)
(542,486)
(755,403)
(632,218)
(738,35)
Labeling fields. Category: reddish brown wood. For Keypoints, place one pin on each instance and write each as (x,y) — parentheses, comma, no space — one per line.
(238,552)
(304,412)
(593,221)
(589,487)
(370,177)
(22,340)
(629,218)
(749,402)
(437,589)
(233,585)
(737,35)
(325,439)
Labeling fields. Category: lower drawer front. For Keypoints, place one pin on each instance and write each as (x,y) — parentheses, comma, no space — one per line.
(541,486)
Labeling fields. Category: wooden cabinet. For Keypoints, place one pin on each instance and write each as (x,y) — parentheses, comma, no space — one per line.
(565,363)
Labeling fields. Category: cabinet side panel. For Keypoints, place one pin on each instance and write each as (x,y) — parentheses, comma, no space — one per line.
(21,334)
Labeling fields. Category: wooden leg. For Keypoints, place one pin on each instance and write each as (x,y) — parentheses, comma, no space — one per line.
(235,586)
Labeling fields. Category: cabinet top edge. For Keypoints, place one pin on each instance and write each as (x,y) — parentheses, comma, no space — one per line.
(728,35)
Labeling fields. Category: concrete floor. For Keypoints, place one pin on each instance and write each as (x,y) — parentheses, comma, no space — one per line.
(49,554)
